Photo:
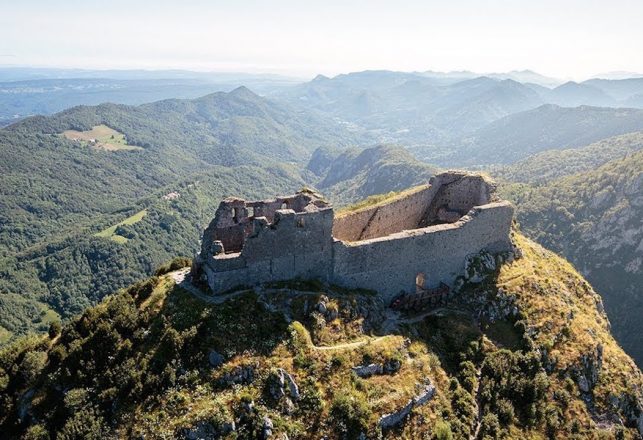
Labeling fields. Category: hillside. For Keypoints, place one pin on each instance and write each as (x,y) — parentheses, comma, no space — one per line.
(553,164)
(354,174)
(594,219)
(525,353)
(57,194)
(520,135)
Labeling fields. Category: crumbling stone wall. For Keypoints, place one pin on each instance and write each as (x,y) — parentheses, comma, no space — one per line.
(391,264)
(402,213)
(448,197)
(281,244)
(383,248)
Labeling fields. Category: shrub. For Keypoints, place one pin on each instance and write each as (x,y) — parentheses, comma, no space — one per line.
(489,427)
(442,431)
(175,263)
(54,329)
(350,414)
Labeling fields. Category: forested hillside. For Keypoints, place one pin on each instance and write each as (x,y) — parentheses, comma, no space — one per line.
(353,174)
(62,244)
(521,135)
(594,219)
(553,164)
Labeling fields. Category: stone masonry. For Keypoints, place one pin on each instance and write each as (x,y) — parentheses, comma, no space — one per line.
(418,238)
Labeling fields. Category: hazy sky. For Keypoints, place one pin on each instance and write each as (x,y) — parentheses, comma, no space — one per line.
(565,38)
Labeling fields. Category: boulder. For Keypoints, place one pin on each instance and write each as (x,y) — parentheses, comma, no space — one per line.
(242,374)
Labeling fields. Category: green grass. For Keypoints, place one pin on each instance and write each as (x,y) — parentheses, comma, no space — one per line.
(111,231)
(104,137)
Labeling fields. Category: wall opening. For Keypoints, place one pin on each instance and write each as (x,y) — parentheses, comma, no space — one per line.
(235,215)
(284,205)
(419,282)
(251,211)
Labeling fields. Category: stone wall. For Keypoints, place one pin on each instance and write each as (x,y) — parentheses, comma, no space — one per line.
(401,213)
(295,245)
(447,197)
(384,247)
(391,264)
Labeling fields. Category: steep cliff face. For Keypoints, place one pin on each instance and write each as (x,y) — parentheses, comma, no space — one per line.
(523,350)
(594,220)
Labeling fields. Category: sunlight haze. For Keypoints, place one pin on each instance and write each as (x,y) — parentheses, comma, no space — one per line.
(568,39)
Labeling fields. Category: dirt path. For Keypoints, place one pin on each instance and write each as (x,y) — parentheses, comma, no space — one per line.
(476,394)
(354,344)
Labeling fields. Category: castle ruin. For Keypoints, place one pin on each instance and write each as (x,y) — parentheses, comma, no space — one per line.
(416,239)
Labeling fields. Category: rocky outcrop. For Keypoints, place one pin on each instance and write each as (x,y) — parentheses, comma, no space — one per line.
(391,366)
(368,370)
(241,374)
(388,421)
(588,370)
(205,431)
(266,429)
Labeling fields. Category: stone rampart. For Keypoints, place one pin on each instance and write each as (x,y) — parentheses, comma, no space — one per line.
(402,213)
(422,236)
(392,264)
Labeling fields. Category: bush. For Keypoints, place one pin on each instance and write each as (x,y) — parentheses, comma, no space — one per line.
(350,414)
(54,329)
(489,427)
(175,263)
(442,431)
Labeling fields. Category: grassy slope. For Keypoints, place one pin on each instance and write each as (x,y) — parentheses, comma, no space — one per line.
(149,372)
(594,220)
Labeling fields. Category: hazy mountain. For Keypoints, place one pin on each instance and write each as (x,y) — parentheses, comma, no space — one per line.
(552,164)
(520,135)
(572,94)
(620,90)
(618,75)
(354,174)
(594,219)
(26,92)
(412,108)
(523,76)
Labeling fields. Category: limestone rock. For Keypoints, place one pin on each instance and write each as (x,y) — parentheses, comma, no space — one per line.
(280,382)
(268,426)
(368,370)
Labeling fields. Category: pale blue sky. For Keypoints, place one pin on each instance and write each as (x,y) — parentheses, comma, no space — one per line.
(565,38)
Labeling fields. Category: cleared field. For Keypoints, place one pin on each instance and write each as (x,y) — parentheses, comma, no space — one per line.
(101,137)
(111,231)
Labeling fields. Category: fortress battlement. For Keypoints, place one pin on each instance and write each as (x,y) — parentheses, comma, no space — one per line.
(416,239)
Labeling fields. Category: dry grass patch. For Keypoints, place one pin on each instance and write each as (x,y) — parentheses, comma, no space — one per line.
(101,137)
